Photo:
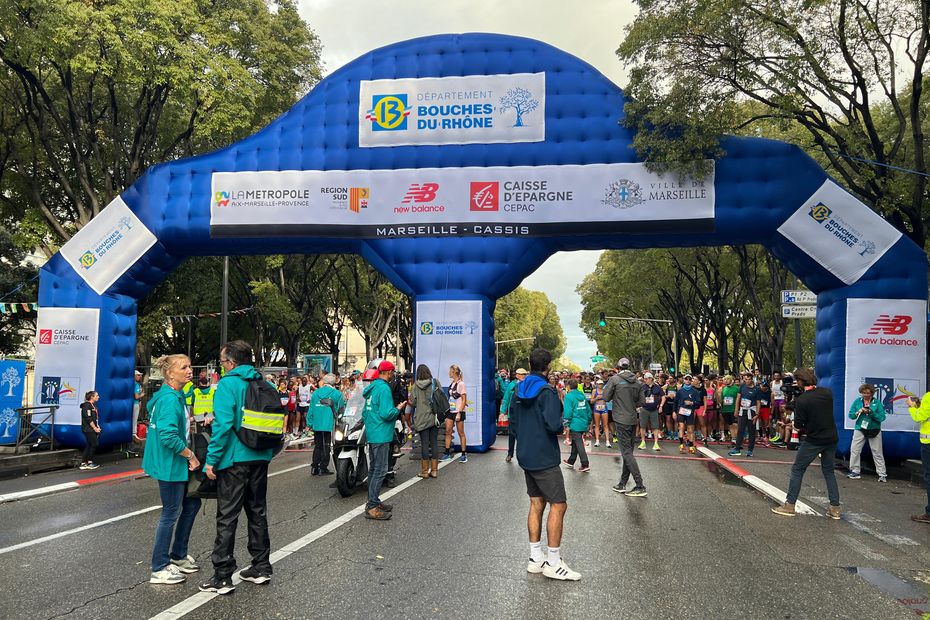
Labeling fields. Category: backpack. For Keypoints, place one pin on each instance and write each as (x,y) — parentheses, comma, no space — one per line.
(439,403)
(263,417)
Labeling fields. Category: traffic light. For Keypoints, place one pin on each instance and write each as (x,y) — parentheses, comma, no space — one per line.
(602,320)
(671,370)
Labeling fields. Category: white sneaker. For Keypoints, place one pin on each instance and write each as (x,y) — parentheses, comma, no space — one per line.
(186,565)
(169,575)
(597,444)
(535,567)
(561,572)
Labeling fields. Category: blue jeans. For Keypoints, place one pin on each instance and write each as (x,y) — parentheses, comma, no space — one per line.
(377,468)
(807,452)
(176,508)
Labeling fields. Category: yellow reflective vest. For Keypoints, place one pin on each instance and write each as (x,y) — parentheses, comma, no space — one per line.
(203,402)
(921,415)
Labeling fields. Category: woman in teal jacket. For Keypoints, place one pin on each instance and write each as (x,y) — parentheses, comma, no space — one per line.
(322,420)
(168,459)
(869,414)
(577,414)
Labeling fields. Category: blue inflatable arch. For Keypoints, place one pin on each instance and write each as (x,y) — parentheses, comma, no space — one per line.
(762,191)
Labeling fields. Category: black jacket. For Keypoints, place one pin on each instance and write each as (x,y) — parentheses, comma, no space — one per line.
(813,414)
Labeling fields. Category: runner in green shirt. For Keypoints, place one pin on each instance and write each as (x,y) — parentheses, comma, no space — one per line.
(726,402)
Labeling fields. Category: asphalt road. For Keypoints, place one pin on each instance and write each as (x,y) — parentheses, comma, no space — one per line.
(699,546)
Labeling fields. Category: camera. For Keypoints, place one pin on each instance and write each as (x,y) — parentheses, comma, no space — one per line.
(791,391)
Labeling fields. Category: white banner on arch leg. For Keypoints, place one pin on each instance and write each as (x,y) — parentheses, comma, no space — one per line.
(449,332)
(66,360)
(886,347)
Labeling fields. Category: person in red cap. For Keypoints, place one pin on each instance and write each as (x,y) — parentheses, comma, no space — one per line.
(379,415)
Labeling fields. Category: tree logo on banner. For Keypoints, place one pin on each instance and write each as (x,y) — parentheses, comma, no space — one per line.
(10,377)
(471,326)
(522,102)
(623,194)
(8,418)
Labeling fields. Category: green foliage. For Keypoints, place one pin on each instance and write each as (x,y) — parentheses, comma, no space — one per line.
(842,79)
(15,329)
(531,315)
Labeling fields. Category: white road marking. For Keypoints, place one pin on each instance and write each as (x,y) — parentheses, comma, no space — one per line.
(201,598)
(90,526)
(9,497)
(76,530)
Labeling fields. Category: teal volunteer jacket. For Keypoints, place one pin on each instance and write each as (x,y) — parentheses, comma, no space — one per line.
(167,436)
(225,449)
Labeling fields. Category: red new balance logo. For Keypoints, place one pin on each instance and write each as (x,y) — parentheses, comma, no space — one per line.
(891,325)
(417,192)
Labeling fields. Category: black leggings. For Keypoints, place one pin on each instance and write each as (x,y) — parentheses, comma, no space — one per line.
(91,437)
(429,438)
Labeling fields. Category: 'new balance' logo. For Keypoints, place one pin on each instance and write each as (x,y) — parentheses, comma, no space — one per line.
(417,192)
(891,325)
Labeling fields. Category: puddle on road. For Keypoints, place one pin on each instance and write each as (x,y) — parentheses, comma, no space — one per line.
(908,594)
(723,475)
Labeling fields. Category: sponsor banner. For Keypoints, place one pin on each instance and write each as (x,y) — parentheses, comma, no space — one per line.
(475,109)
(497,201)
(12,385)
(66,360)
(886,347)
(108,245)
(840,232)
(449,332)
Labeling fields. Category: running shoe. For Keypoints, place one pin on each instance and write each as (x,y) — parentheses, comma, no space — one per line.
(535,567)
(883,478)
(597,444)
(561,572)
(220,586)
(169,576)
(508,459)
(692,450)
(446,457)
(642,445)
(82,466)
(567,465)
(749,454)
(655,446)
(585,469)
(735,452)
(854,475)
(92,465)
(608,445)
(776,438)
(637,492)
(621,489)
(681,448)
(186,565)
(254,575)
(463,458)
(924,518)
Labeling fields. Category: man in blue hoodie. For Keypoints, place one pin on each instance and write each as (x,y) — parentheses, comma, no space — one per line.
(536,421)
(241,475)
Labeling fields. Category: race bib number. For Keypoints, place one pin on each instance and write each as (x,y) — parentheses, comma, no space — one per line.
(727,400)
(284,401)
(452,406)
(650,399)
(745,403)
(600,407)
(671,393)
(685,411)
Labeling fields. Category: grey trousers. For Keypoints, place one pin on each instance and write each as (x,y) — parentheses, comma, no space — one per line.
(627,438)
(855,453)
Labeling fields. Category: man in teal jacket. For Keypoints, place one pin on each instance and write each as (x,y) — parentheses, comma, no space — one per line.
(577,414)
(241,475)
(325,404)
(379,415)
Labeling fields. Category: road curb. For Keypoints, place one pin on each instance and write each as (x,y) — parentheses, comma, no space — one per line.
(757,483)
(67,486)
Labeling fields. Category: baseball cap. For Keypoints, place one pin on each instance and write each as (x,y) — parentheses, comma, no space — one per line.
(385,366)
(623,362)
(600,381)
(521,371)
(647,375)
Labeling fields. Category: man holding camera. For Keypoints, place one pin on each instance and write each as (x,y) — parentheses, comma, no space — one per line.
(813,415)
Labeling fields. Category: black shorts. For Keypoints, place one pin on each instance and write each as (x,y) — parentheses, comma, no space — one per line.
(728,417)
(547,484)
(461,414)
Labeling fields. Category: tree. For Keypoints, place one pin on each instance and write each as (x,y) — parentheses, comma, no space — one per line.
(529,319)
(92,94)
(846,77)
(16,272)
(370,301)
(9,419)
(522,102)
(10,377)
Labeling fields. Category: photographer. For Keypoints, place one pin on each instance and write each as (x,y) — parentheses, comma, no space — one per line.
(813,415)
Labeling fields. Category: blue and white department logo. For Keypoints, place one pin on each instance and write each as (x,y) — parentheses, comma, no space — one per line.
(426,328)
(623,194)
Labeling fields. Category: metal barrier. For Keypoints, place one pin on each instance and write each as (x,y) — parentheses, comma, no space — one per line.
(27,417)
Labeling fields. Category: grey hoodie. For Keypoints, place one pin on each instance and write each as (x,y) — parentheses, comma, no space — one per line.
(627,396)
(422,412)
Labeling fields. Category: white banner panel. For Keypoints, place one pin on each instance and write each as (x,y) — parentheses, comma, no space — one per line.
(66,359)
(841,233)
(497,201)
(475,109)
(449,332)
(108,245)
(886,347)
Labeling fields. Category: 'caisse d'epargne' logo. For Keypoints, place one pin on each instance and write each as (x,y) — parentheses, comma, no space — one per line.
(623,194)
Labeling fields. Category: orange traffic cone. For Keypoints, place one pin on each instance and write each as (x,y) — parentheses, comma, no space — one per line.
(795,440)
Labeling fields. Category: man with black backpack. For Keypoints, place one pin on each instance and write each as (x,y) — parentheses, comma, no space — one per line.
(241,472)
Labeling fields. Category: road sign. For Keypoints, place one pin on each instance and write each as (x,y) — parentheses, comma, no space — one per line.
(798,297)
(655,367)
(597,359)
(798,312)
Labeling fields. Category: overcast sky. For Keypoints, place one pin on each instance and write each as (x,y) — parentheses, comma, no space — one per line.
(589,29)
